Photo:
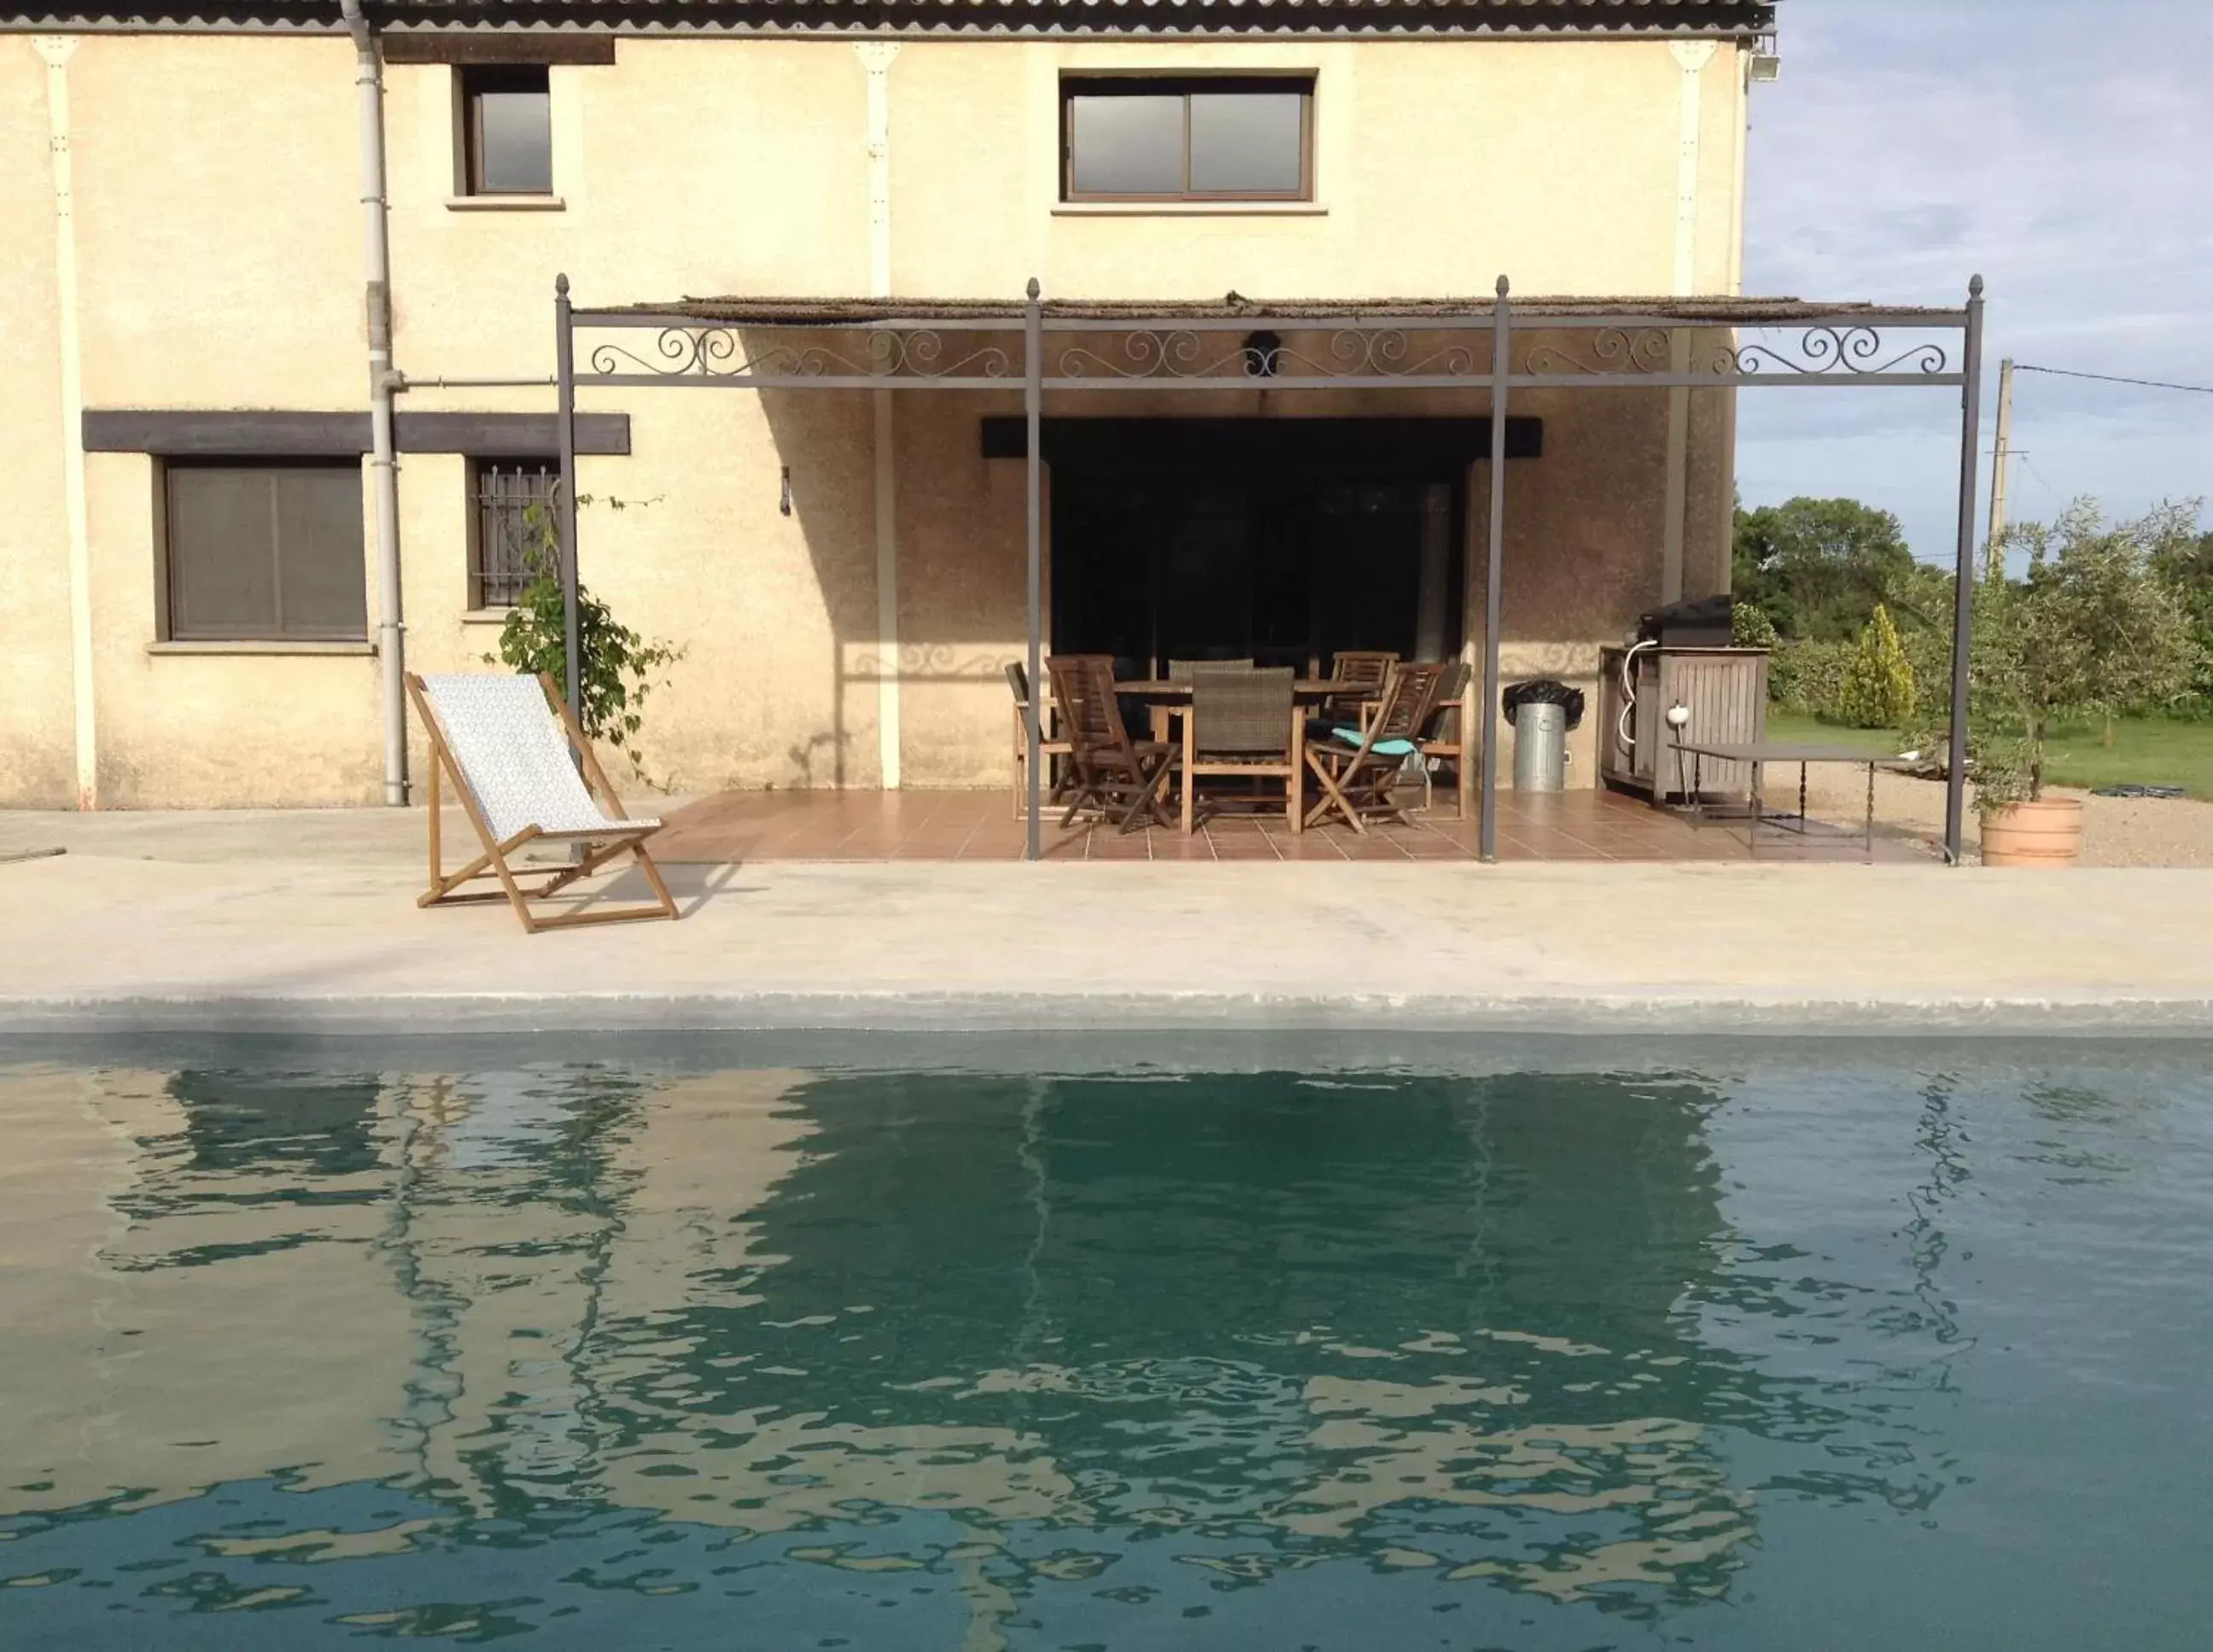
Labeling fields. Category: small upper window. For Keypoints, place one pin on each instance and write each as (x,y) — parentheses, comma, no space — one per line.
(265,551)
(1248,138)
(507,129)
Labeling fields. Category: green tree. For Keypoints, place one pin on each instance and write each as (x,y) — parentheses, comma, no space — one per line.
(1878,689)
(1817,568)
(2107,592)
(2183,556)
(2095,630)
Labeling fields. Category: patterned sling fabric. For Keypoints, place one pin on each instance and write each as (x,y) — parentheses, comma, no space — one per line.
(507,741)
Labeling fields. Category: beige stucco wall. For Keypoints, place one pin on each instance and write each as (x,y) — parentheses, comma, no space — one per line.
(218,232)
(37,756)
(1437,166)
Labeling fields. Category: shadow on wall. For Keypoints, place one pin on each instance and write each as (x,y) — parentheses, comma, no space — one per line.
(959,529)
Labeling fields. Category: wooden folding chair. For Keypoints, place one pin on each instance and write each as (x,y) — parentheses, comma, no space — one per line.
(1362,672)
(1358,767)
(1051,746)
(513,751)
(1444,738)
(1122,778)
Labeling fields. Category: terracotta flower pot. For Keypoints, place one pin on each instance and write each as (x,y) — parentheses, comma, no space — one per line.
(2047,832)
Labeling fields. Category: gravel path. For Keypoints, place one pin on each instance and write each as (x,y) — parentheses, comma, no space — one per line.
(2116,831)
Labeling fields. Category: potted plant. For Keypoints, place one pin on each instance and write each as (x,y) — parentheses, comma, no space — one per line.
(620,667)
(2094,631)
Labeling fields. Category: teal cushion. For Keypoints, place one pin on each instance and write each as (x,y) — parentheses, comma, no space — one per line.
(1386,748)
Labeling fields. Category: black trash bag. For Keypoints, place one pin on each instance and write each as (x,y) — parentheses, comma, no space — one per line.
(1543,691)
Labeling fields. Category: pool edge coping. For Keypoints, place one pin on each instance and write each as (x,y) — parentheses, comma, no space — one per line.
(2092,1014)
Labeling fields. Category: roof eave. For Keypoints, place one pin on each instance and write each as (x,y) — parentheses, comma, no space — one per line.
(858,19)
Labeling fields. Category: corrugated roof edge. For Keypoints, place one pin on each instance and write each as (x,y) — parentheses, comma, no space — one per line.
(1180,19)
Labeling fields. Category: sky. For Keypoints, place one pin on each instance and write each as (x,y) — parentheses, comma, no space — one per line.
(2064,148)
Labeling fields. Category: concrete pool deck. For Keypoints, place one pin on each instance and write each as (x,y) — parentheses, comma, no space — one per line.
(305,922)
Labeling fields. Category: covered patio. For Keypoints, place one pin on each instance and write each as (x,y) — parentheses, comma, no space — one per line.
(1451,363)
(750,827)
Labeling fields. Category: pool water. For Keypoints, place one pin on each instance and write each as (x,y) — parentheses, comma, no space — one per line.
(1776,1348)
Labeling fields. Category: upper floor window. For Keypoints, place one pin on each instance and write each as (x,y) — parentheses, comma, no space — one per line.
(1187,138)
(507,129)
(257,552)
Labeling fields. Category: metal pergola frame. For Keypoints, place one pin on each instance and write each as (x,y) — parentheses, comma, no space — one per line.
(1628,343)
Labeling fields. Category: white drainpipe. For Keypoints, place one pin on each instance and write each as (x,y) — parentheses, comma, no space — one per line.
(391,644)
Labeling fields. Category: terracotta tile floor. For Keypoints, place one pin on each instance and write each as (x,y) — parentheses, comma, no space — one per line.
(973,825)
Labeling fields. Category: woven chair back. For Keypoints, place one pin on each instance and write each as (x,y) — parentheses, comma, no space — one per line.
(1241,713)
(1181,671)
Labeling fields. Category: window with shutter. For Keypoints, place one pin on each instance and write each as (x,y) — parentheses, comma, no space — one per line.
(265,551)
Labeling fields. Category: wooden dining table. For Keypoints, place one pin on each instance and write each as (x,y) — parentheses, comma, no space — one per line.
(1168,701)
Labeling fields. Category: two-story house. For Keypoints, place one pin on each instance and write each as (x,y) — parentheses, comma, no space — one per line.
(199,562)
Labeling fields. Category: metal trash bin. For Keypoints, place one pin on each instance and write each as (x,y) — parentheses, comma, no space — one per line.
(1540,748)
(1542,712)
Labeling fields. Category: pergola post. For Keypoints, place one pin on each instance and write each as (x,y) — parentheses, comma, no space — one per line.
(1034,495)
(564,498)
(1502,366)
(1963,592)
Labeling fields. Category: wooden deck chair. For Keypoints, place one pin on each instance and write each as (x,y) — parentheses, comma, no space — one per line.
(512,750)
(1358,767)
(1123,778)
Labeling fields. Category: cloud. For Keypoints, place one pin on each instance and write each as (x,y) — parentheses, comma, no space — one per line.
(1910,144)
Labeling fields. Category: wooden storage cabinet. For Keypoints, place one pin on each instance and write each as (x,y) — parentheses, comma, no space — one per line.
(1725,688)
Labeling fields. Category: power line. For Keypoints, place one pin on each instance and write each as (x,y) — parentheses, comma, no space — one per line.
(2041,480)
(2110,378)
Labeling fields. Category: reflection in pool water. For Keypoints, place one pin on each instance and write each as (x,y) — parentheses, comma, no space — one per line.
(1793,1354)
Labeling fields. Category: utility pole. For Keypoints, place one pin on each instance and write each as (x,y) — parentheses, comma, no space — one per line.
(1995,556)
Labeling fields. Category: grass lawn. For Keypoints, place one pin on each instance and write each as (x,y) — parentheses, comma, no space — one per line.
(1790,726)
(2146,751)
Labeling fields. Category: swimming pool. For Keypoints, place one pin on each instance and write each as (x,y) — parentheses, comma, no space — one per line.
(741,1346)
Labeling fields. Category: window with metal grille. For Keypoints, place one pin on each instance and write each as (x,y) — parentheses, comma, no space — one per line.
(263,551)
(510,525)
(1187,138)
